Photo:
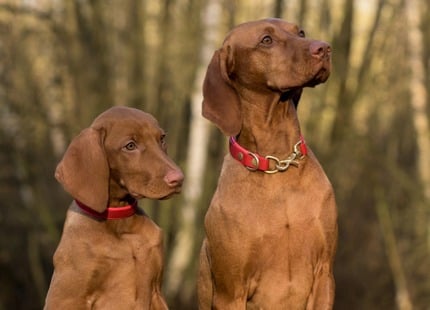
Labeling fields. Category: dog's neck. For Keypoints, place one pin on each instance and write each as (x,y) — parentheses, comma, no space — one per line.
(270,125)
(118,195)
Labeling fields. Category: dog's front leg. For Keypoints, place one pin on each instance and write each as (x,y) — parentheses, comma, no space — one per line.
(204,285)
(218,290)
(322,295)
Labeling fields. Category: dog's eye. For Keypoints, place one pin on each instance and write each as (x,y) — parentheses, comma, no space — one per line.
(267,40)
(302,34)
(130,146)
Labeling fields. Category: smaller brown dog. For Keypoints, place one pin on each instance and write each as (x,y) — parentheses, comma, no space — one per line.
(110,254)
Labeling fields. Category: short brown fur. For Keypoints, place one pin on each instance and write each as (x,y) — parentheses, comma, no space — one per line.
(270,239)
(113,264)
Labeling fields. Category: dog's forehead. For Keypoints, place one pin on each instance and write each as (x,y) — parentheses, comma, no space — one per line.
(127,118)
(123,112)
(250,31)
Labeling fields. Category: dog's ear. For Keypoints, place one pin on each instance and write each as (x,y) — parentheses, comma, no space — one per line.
(84,170)
(221,103)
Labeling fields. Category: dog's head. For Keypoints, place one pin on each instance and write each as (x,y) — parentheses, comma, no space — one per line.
(122,153)
(265,56)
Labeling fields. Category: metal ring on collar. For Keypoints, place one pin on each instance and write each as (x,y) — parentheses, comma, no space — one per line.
(277,162)
(256,164)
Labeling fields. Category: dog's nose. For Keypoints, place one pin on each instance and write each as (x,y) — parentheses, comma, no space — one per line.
(319,49)
(174,178)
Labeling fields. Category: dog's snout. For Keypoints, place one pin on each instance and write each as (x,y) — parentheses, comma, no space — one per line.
(319,49)
(174,178)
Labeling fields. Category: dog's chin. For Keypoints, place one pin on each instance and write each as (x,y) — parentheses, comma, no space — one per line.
(320,77)
(323,75)
(161,196)
(168,196)
(137,196)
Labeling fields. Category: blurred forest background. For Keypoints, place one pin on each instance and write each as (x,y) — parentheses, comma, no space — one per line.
(62,62)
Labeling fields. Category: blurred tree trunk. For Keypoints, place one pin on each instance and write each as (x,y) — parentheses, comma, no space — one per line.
(138,53)
(368,54)
(350,85)
(302,13)
(86,52)
(35,262)
(183,248)
(420,108)
(425,27)
(341,67)
(162,79)
(403,299)
(231,8)
(418,92)
(278,8)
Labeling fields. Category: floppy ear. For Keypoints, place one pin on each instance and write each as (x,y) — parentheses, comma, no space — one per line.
(221,103)
(84,170)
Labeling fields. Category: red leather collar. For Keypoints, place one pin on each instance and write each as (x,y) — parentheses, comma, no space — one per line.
(111,213)
(254,161)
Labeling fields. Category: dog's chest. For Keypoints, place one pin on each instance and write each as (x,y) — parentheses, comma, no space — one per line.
(267,208)
(127,265)
(137,256)
(281,195)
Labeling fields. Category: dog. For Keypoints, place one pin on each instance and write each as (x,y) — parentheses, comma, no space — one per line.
(110,254)
(271,227)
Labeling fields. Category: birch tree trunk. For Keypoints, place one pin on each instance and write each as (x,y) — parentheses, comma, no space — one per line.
(403,299)
(419,99)
(183,248)
(341,69)
(278,8)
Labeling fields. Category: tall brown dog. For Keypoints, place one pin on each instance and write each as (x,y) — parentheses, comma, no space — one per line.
(111,257)
(270,237)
